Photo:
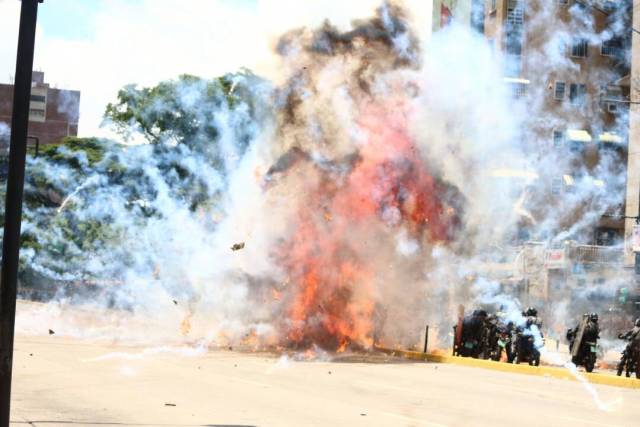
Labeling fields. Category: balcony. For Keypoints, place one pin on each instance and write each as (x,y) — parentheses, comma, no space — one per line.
(591,254)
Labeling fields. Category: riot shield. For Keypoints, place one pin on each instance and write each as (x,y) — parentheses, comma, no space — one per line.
(577,340)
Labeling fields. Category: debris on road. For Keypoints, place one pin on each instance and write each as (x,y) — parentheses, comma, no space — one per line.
(51,332)
(175,302)
(170,404)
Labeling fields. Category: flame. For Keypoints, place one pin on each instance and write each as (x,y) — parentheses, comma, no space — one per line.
(185,325)
(251,340)
(333,288)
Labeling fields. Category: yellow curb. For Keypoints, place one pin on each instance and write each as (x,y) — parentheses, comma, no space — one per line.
(543,371)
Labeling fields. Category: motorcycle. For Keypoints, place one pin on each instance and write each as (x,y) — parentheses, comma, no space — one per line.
(471,335)
(498,340)
(467,346)
(583,344)
(586,355)
(526,348)
(630,360)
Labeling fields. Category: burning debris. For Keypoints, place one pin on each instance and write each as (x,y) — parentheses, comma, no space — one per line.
(237,246)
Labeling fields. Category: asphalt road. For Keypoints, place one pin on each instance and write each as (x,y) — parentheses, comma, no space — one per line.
(66,382)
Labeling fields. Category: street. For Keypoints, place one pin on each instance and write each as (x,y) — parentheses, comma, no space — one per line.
(62,382)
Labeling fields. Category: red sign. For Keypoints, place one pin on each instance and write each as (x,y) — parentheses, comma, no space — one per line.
(555,258)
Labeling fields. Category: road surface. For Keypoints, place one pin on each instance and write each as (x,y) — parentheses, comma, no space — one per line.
(68,382)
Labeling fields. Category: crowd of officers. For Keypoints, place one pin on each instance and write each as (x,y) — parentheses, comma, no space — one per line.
(493,336)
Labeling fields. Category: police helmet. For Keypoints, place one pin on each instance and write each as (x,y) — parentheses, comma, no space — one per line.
(531,311)
(593,317)
(638,322)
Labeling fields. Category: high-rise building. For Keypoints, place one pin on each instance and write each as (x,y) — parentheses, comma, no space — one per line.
(568,60)
(568,64)
(53,113)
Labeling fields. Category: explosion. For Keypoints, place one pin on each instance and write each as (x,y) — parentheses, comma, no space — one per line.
(358,178)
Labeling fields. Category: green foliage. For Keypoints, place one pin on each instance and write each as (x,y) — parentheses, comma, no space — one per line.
(179,110)
(93,148)
(86,199)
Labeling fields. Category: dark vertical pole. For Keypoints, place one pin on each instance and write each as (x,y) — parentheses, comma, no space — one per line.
(13,205)
(426,338)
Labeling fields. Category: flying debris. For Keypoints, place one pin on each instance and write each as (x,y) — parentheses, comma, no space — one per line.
(237,246)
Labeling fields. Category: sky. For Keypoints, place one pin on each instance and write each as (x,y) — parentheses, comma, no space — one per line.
(98,46)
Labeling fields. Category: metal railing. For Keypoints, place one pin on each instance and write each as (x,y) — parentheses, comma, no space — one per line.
(591,254)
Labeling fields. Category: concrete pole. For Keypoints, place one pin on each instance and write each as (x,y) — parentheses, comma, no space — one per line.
(13,206)
(633,162)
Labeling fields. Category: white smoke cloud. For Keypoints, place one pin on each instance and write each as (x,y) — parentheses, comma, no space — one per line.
(463,120)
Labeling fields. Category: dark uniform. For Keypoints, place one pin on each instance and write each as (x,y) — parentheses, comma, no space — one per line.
(471,338)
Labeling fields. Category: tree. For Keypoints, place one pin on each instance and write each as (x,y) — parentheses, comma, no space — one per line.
(182,110)
(90,203)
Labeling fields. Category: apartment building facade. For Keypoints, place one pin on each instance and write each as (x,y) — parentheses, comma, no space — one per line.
(568,63)
(569,60)
(53,113)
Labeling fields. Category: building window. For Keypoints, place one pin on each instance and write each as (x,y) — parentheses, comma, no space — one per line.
(38,98)
(611,47)
(559,90)
(558,138)
(610,5)
(577,93)
(605,237)
(612,98)
(579,48)
(514,27)
(563,2)
(519,90)
(556,185)
(477,15)
(36,112)
(493,5)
